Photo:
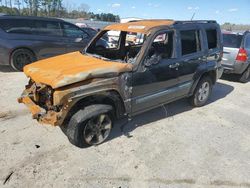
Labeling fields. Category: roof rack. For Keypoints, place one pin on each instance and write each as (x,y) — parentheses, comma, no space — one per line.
(195,21)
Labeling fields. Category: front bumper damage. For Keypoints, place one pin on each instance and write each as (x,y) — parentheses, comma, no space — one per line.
(41,115)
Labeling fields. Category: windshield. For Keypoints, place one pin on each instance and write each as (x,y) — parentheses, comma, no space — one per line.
(119,46)
(232,40)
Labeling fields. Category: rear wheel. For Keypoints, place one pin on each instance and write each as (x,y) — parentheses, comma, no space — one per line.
(20,58)
(202,92)
(245,76)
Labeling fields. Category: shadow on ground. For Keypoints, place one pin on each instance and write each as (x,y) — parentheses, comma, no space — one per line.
(4,68)
(123,127)
(232,77)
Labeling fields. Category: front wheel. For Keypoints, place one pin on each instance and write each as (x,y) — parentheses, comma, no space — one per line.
(202,92)
(90,126)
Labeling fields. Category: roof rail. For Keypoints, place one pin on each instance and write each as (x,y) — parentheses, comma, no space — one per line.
(195,21)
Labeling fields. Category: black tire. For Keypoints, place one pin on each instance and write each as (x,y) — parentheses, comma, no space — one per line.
(85,128)
(202,92)
(21,57)
(244,78)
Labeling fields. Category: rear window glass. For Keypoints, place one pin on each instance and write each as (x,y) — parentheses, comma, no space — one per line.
(16,26)
(211,38)
(232,40)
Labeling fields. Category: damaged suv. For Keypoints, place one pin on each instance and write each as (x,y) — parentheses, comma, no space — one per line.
(84,93)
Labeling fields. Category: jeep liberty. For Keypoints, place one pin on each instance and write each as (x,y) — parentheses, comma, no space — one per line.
(84,93)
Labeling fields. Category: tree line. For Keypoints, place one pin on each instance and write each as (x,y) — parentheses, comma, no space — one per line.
(235,27)
(52,8)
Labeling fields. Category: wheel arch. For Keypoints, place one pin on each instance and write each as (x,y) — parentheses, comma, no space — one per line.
(212,74)
(21,47)
(109,97)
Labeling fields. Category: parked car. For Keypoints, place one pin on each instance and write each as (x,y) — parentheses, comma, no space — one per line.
(24,40)
(236,54)
(177,59)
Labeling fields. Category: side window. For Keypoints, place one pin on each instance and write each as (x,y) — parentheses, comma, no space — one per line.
(190,41)
(16,26)
(247,42)
(211,38)
(162,46)
(73,31)
(47,28)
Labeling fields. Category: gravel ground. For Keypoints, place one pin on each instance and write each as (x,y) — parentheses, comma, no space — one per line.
(172,146)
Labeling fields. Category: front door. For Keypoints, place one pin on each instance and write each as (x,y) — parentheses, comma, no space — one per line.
(157,80)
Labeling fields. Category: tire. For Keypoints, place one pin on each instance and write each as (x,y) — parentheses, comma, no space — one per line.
(21,57)
(202,92)
(245,76)
(90,126)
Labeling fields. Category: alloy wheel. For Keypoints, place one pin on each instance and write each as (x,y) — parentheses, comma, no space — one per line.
(97,129)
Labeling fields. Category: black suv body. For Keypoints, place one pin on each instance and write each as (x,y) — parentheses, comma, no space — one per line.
(153,62)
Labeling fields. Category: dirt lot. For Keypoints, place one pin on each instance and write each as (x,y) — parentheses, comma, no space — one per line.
(178,146)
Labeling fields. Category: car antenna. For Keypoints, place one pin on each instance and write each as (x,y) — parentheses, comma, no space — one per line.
(193,16)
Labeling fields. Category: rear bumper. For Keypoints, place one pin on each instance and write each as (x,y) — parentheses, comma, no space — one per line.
(236,68)
(38,113)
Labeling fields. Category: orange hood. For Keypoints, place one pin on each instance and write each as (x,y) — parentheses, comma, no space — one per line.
(71,68)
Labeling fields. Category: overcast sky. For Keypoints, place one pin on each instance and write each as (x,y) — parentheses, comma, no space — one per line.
(234,11)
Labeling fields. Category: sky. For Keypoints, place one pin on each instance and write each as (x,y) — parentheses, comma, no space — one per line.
(233,11)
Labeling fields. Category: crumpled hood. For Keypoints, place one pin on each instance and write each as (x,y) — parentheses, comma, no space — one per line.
(71,68)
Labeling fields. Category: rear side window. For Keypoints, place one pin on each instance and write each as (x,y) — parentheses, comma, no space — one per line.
(211,38)
(47,28)
(247,42)
(232,40)
(190,41)
(16,26)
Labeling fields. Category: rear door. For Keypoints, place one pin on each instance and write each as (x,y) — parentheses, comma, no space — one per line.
(75,38)
(231,45)
(191,57)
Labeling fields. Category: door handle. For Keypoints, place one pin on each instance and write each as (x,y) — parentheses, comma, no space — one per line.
(173,66)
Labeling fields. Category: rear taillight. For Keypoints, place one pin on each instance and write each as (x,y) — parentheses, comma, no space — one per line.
(242,55)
